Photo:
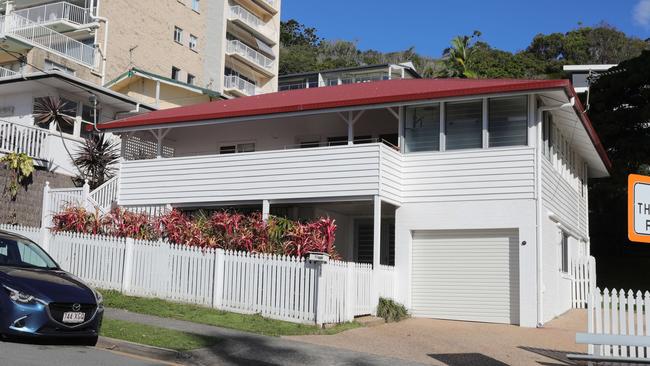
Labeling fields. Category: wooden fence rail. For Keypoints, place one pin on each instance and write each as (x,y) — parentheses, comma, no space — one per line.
(280,287)
(619,312)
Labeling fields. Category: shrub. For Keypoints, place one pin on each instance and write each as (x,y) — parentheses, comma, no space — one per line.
(391,311)
(223,229)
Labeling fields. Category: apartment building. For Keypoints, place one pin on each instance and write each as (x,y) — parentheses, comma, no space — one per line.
(225,46)
(348,75)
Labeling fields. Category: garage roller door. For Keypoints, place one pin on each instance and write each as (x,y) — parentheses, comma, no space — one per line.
(466,275)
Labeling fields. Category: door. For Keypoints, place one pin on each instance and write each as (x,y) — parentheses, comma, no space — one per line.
(466,275)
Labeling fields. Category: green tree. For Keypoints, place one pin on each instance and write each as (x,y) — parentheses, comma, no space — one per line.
(620,112)
(458,58)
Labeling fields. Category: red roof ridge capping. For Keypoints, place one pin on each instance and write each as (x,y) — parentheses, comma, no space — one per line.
(351,95)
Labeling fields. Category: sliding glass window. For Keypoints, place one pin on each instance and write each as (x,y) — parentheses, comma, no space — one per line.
(508,121)
(464,125)
(422,128)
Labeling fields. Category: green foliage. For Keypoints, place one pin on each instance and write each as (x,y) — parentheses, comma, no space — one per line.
(21,167)
(302,50)
(620,112)
(198,314)
(96,159)
(458,58)
(391,311)
(155,336)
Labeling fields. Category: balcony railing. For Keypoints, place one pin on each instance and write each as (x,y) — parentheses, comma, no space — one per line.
(6,73)
(250,19)
(248,53)
(332,82)
(235,82)
(49,13)
(38,35)
(22,139)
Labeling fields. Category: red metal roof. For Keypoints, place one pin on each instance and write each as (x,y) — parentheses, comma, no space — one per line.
(350,95)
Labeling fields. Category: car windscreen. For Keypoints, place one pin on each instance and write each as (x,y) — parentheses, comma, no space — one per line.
(24,254)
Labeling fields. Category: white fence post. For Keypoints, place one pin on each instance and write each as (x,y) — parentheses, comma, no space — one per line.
(128,265)
(320,292)
(85,195)
(45,209)
(45,239)
(350,280)
(217,282)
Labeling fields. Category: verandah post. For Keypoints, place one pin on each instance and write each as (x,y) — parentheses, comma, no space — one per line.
(128,265)
(376,253)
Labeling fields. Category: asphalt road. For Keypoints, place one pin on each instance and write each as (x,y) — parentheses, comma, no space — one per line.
(19,354)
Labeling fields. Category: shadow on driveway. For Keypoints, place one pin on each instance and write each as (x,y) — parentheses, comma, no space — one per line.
(464,359)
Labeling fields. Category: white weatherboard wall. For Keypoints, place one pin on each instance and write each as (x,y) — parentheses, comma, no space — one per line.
(338,171)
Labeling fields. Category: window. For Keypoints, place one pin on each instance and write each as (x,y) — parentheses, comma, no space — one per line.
(508,121)
(178,35)
(464,125)
(195,5)
(176,73)
(51,65)
(310,143)
(422,129)
(22,253)
(190,79)
(193,42)
(337,141)
(237,148)
(564,253)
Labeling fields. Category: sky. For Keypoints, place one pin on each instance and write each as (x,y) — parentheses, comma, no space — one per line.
(430,24)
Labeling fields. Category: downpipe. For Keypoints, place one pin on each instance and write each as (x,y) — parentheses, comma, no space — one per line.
(103,51)
(540,205)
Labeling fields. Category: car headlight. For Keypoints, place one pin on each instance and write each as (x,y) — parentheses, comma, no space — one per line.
(19,296)
(99,297)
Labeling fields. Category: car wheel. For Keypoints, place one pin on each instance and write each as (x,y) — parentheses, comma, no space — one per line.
(92,342)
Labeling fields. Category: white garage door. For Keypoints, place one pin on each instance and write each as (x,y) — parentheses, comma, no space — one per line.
(466,275)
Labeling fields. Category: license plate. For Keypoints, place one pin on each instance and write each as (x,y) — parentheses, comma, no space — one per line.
(74,317)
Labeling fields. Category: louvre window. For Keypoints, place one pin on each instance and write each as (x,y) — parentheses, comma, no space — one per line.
(422,128)
(508,121)
(464,125)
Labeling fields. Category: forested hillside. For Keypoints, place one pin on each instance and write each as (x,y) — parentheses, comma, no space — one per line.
(303,49)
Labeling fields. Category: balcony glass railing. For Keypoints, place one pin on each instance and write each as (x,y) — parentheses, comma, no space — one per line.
(243,50)
(235,82)
(49,13)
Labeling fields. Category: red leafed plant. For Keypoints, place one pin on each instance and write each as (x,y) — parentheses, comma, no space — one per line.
(77,219)
(222,229)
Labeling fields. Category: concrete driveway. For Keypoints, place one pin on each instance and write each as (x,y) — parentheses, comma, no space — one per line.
(455,343)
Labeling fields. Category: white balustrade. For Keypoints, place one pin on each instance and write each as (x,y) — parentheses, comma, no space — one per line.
(237,47)
(236,82)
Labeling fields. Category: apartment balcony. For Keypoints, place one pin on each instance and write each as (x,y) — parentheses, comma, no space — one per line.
(238,86)
(6,73)
(249,21)
(349,171)
(251,57)
(61,16)
(268,7)
(32,34)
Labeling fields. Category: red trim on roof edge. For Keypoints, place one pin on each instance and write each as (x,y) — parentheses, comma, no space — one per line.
(351,95)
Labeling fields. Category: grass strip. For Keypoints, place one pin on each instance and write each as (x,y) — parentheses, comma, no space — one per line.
(203,315)
(154,336)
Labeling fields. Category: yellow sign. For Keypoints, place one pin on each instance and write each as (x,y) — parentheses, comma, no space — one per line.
(638,218)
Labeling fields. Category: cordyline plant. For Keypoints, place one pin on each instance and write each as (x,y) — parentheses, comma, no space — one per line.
(223,229)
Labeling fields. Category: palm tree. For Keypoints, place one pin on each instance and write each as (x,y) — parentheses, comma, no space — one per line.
(458,57)
(96,159)
(51,110)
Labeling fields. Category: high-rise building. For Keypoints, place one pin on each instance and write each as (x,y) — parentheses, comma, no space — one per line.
(225,46)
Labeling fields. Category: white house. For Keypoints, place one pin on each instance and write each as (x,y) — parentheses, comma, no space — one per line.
(475,190)
(47,146)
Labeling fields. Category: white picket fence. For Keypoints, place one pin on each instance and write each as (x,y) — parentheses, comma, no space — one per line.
(279,287)
(583,275)
(619,313)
